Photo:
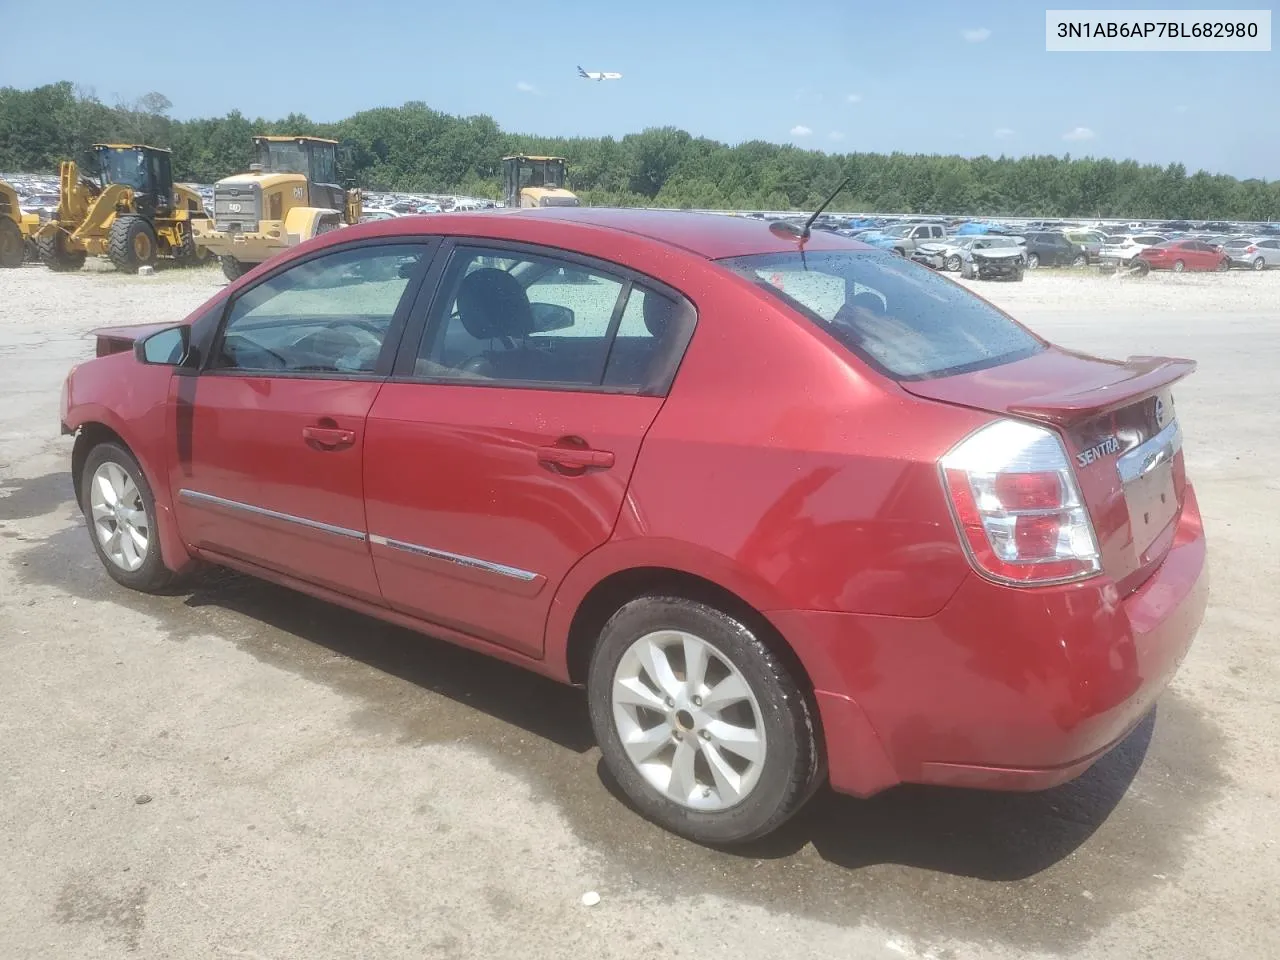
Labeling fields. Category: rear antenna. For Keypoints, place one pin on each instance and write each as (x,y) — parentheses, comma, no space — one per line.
(786,227)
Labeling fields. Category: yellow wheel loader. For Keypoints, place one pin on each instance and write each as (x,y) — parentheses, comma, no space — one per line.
(135,216)
(535,182)
(16,228)
(290,194)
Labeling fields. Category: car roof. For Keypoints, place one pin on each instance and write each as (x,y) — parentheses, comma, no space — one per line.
(710,235)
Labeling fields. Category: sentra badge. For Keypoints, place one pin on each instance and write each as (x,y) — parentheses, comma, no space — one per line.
(1106,447)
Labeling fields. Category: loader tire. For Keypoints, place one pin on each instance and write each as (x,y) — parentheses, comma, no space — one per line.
(52,250)
(186,253)
(12,247)
(233,269)
(131,243)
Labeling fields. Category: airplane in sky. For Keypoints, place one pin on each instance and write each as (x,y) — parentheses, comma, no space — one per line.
(593,75)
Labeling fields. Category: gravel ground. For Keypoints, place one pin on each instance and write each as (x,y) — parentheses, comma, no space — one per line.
(241,772)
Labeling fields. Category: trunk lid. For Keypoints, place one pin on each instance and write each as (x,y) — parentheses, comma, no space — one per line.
(1118,422)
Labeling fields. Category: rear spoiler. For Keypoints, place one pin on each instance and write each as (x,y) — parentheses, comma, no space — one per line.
(1141,376)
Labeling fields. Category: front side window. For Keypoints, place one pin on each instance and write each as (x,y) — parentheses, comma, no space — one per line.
(325,315)
(324,167)
(902,318)
(528,319)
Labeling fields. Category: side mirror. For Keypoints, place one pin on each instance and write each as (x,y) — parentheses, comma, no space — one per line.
(164,348)
(551,316)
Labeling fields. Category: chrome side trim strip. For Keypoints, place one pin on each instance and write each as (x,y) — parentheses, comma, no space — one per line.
(500,568)
(198,497)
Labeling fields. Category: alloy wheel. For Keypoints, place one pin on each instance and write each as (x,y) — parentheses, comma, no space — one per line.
(119,517)
(688,720)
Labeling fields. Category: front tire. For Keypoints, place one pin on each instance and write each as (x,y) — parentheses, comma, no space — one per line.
(952,263)
(1079,260)
(1033,261)
(701,724)
(131,243)
(120,510)
(12,246)
(52,249)
(232,268)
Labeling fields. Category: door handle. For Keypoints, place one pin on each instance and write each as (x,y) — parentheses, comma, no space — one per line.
(575,458)
(329,437)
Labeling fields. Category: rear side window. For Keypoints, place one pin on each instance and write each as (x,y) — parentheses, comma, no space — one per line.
(901,317)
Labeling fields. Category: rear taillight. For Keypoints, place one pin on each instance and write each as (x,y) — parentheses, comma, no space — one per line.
(1017,506)
(1250,249)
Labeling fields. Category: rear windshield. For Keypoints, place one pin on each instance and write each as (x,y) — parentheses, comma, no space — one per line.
(901,317)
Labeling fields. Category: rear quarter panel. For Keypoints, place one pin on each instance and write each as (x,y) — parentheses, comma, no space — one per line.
(785,470)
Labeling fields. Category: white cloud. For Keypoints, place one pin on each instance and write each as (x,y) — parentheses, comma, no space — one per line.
(1003,133)
(854,98)
(976,34)
(837,135)
(524,86)
(800,130)
(1079,133)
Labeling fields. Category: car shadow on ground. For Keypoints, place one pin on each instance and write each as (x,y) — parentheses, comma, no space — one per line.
(1019,868)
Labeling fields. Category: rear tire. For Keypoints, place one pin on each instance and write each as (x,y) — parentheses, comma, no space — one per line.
(232,268)
(1259,264)
(125,539)
(12,246)
(685,734)
(131,243)
(52,249)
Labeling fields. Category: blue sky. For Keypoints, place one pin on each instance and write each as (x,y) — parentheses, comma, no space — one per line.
(966,78)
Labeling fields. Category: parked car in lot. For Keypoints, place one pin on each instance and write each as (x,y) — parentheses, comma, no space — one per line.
(994,258)
(1050,249)
(907,236)
(1256,253)
(1090,241)
(788,512)
(1180,255)
(1122,250)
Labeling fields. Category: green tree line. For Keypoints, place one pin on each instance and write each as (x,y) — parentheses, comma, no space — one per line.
(415,148)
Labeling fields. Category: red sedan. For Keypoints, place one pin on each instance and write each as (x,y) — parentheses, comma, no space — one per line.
(791,510)
(1180,255)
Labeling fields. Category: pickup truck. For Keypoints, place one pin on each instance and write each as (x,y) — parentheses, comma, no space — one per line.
(906,236)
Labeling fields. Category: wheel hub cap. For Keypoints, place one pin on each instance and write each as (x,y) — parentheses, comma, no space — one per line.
(688,721)
(119,517)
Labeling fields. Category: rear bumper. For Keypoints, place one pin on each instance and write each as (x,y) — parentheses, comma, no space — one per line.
(1005,688)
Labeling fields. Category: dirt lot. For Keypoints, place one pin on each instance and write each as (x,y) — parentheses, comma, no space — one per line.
(321,786)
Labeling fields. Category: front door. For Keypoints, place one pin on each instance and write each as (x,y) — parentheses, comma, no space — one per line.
(271,434)
(503,454)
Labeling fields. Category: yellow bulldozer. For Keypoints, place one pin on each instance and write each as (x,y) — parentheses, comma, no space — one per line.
(535,182)
(16,228)
(290,194)
(134,216)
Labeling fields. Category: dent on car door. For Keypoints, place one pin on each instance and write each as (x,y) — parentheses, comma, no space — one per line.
(500,453)
(269,434)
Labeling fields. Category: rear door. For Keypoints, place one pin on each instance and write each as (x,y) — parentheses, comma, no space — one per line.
(271,433)
(500,452)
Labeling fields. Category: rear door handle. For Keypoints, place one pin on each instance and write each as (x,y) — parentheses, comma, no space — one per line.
(575,458)
(329,437)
